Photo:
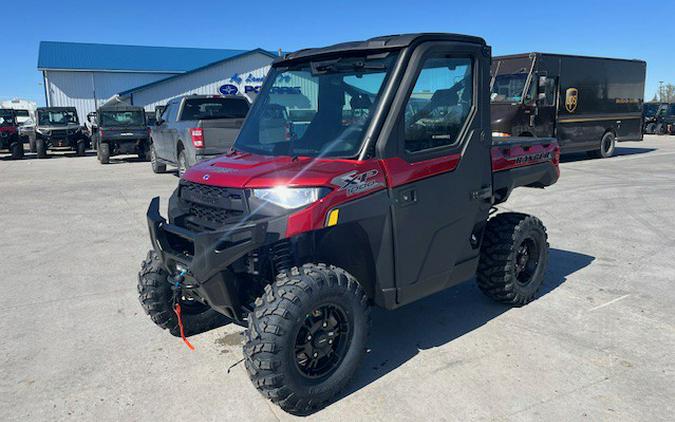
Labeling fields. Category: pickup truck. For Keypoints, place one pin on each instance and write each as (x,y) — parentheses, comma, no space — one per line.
(388,196)
(193,128)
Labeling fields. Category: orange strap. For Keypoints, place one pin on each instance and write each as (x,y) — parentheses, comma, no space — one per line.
(176,309)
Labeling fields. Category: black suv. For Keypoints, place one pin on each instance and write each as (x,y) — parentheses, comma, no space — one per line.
(9,133)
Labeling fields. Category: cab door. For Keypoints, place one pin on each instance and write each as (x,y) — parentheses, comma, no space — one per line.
(440,175)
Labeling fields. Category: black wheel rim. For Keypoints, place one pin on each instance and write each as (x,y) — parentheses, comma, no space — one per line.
(527,261)
(322,341)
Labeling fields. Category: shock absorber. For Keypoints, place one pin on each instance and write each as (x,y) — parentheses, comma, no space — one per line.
(281,255)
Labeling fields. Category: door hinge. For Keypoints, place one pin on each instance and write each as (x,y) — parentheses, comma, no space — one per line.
(482,194)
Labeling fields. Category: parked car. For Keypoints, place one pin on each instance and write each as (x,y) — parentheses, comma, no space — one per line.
(195,127)
(588,103)
(121,129)
(59,127)
(298,237)
(9,133)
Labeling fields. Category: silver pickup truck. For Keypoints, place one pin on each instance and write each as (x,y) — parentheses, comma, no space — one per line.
(194,128)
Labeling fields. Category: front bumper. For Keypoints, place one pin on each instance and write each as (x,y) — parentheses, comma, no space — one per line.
(206,256)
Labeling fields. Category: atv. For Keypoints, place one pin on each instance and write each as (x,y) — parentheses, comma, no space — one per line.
(374,187)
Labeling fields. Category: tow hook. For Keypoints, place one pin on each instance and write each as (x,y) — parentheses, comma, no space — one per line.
(177,287)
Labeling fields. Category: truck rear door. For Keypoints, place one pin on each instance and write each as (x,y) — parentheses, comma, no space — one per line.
(220,119)
(440,178)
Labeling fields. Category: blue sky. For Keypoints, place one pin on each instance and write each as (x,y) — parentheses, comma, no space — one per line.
(618,28)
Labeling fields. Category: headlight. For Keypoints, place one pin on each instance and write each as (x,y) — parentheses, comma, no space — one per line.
(290,198)
(500,134)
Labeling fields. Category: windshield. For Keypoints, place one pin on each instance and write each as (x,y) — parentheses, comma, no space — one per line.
(60,117)
(22,113)
(6,117)
(122,118)
(650,109)
(316,108)
(508,88)
(214,108)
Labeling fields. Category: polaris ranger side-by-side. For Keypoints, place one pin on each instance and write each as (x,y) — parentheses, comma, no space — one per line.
(9,133)
(122,129)
(59,127)
(378,194)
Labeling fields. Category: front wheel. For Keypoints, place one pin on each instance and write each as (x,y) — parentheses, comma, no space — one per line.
(81,148)
(306,336)
(156,297)
(41,148)
(513,258)
(157,167)
(17,150)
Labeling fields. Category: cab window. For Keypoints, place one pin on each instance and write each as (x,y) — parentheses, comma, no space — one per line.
(439,104)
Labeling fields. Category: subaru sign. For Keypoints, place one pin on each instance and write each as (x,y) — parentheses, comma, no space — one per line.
(228,89)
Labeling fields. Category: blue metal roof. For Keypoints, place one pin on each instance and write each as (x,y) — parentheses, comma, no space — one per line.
(85,56)
(180,75)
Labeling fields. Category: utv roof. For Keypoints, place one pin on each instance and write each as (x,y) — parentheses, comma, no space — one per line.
(119,107)
(535,53)
(56,109)
(387,42)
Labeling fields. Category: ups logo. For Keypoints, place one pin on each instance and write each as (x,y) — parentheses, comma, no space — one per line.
(571,99)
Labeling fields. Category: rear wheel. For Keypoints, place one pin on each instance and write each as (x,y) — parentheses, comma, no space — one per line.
(513,258)
(182,163)
(607,146)
(103,153)
(17,150)
(306,336)
(157,167)
(156,297)
(41,148)
(660,129)
(651,128)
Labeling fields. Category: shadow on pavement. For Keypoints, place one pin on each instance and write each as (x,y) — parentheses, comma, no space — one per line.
(618,152)
(398,336)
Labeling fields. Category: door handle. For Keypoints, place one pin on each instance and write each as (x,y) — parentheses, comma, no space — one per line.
(482,194)
(407,197)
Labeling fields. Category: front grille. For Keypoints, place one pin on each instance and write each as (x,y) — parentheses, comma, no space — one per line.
(211,206)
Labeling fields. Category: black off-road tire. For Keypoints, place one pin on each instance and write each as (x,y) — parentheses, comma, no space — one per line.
(17,150)
(157,167)
(650,128)
(660,129)
(103,153)
(81,148)
(41,148)
(155,295)
(498,276)
(274,327)
(607,146)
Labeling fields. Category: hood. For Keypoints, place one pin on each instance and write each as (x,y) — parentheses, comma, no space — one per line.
(504,116)
(245,170)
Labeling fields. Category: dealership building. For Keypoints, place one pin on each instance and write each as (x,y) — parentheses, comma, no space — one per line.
(85,76)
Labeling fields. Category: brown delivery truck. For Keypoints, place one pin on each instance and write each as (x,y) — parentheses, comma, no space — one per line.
(588,103)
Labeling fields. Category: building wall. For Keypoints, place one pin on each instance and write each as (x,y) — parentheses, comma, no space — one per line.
(206,81)
(79,89)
